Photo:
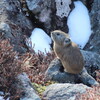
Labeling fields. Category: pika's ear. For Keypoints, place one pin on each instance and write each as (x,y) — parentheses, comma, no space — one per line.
(67,41)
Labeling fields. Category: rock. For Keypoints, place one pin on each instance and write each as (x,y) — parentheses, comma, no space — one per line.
(56,72)
(41,10)
(5,30)
(33,4)
(24,84)
(14,24)
(94,43)
(64,91)
(87,79)
(52,14)
(91,59)
(36,6)
(95,20)
(62,7)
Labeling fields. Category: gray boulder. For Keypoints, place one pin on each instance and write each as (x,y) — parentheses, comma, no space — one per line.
(5,30)
(14,24)
(41,11)
(56,71)
(24,84)
(94,43)
(91,59)
(64,91)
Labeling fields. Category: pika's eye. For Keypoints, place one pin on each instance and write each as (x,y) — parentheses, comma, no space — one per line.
(58,34)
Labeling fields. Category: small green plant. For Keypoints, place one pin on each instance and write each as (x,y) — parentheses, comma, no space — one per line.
(40,88)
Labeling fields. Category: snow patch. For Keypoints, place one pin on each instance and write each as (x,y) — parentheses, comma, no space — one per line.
(39,41)
(79,24)
(2,98)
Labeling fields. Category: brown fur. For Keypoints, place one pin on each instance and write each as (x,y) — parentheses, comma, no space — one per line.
(67,52)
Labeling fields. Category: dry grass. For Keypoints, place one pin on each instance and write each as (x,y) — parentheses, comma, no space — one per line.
(35,66)
(10,67)
(92,94)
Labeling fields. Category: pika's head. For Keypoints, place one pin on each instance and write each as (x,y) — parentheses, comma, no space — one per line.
(60,38)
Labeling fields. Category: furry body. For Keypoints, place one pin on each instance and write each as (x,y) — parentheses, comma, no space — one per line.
(67,52)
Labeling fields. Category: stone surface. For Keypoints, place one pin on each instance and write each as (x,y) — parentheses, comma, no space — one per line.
(95,20)
(56,72)
(94,42)
(41,11)
(64,91)
(50,13)
(33,4)
(87,79)
(5,30)
(62,7)
(91,59)
(24,84)
(14,24)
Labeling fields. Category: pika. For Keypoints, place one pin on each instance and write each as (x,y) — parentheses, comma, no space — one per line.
(68,52)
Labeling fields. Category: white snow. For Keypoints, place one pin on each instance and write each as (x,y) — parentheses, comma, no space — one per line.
(40,41)
(1,98)
(79,24)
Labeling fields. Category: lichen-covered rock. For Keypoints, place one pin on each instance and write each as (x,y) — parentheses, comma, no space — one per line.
(64,91)
(24,84)
(62,7)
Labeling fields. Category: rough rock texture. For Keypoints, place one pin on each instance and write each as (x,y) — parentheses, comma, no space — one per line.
(62,7)
(94,43)
(95,20)
(50,13)
(28,92)
(64,91)
(41,10)
(91,59)
(56,72)
(87,79)
(13,23)
(5,30)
